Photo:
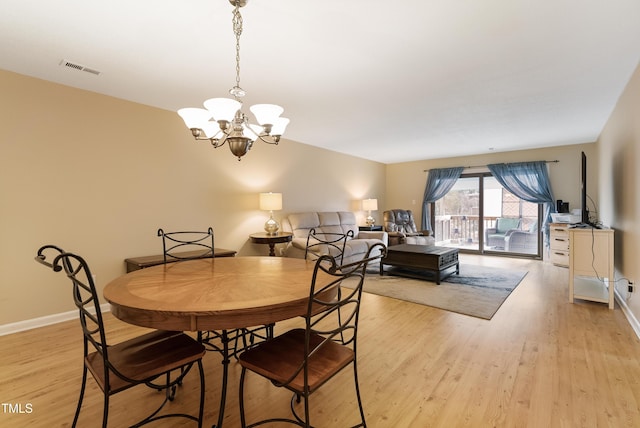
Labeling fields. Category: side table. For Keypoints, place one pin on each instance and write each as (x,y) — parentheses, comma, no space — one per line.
(135,263)
(371,228)
(272,240)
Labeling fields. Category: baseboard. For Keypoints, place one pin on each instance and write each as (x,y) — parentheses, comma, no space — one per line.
(633,321)
(43,321)
(105,307)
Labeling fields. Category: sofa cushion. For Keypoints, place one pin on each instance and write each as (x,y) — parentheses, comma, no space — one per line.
(304,221)
(322,222)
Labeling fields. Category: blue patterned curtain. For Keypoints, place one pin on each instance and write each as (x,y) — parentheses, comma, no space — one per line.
(529,181)
(439,182)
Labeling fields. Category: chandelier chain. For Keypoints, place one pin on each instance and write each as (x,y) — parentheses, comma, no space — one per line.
(237,30)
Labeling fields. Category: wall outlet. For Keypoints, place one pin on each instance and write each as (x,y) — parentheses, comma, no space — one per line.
(630,287)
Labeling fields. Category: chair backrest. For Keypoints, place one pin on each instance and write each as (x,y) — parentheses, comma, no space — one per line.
(398,220)
(334,301)
(330,243)
(186,245)
(85,296)
(504,224)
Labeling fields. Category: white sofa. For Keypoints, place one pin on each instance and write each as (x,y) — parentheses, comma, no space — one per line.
(329,222)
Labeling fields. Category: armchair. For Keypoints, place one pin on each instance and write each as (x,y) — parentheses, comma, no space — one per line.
(401,228)
(522,241)
(495,236)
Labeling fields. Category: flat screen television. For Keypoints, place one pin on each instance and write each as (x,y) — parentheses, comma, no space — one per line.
(583,191)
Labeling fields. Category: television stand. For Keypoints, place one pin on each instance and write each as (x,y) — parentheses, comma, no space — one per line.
(591,270)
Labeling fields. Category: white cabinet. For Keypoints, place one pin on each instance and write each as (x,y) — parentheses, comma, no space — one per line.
(559,244)
(591,270)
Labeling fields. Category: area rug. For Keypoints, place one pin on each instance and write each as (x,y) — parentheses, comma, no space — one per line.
(478,291)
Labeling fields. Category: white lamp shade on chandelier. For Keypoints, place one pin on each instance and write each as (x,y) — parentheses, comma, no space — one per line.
(271,202)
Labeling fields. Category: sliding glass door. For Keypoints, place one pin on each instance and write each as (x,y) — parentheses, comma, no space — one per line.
(457,215)
(479,215)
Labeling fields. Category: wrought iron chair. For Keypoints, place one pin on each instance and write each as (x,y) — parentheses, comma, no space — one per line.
(330,243)
(160,359)
(186,245)
(303,359)
(192,245)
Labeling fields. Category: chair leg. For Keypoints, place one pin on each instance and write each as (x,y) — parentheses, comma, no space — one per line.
(243,422)
(307,422)
(202,390)
(105,412)
(296,398)
(355,378)
(225,376)
(82,388)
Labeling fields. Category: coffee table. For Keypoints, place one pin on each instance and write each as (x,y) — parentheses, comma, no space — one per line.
(423,257)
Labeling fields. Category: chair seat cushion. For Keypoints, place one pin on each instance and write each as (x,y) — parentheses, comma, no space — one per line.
(144,357)
(279,358)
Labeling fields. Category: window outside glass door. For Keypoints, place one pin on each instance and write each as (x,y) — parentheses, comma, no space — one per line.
(457,216)
(479,215)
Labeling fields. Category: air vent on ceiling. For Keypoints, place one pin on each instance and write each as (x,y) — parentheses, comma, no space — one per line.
(79,67)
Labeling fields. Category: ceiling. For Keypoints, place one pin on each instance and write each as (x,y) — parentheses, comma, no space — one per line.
(382,80)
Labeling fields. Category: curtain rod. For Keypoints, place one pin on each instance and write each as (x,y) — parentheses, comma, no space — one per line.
(484,166)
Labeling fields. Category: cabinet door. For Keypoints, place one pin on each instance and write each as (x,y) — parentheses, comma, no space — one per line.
(591,251)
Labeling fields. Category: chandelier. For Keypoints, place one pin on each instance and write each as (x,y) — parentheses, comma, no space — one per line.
(223,121)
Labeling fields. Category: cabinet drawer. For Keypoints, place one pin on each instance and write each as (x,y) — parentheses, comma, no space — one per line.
(560,258)
(559,243)
(559,230)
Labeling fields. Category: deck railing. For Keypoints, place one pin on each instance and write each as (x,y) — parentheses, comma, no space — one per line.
(464,229)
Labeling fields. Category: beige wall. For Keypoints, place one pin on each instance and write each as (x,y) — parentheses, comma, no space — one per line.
(406,181)
(98,176)
(619,183)
(129,169)
(613,182)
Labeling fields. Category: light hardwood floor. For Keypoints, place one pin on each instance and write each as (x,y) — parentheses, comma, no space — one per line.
(540,362)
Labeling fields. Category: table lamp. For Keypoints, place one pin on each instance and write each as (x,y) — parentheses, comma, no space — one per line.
(370,205)
(271,202)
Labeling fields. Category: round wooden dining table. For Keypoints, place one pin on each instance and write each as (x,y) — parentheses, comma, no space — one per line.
(212,294)
(220,294)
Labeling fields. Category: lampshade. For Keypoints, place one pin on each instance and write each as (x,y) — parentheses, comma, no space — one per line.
(270,201)
(370,204)
(266,113)
(280,125)
(222,108)
(211,129)
(194,117)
